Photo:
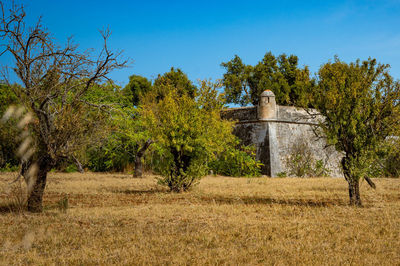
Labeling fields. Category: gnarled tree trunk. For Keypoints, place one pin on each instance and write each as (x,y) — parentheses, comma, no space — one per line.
(354,184)
(139,158)
(354,192)
(37,184)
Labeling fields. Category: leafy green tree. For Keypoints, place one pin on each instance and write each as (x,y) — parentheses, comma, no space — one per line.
(136,137)
(113,151)
(106,149)
(136,88)
(175,79)
(140,86)
(360,103)
(128,141)
(245,83)
(131,127)
(188,133)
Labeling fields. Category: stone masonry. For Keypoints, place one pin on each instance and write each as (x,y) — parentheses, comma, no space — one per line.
(276,130)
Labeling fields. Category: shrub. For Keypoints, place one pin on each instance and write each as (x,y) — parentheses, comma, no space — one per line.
(301,162)
(237,162)
(387,162)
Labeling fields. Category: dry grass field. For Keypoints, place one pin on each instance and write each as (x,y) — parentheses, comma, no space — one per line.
(115,219)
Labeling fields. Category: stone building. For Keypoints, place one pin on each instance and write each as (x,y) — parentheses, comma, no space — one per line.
(280,133)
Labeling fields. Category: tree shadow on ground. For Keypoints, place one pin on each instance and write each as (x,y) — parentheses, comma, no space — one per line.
(251,200)
(246,200)
(141,191)
(11,208)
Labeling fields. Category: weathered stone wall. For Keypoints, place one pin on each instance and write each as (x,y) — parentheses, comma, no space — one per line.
(276,139)
(240,114)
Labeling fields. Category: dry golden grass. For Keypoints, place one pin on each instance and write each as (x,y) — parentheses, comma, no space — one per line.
(115,219)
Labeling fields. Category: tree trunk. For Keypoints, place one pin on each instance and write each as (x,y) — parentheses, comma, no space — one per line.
(354,193)
(35,199)
(139,159)
(138,166)
(38,184)
(354,184)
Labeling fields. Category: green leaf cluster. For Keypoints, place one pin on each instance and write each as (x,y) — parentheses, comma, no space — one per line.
(139,87)
(8,131)
(245,83)
(188,133)
(360,105)
(237,161)
(136,88)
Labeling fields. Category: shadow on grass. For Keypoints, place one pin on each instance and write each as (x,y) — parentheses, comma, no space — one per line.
(11,208)
(246,200)
(274,201)
(141,191)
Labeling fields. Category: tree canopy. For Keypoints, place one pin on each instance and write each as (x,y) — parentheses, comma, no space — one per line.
(136,88)
(175,79)
(188,133)
(360,103)
(282,75)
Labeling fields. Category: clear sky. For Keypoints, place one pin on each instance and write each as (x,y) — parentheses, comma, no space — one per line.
(197,36)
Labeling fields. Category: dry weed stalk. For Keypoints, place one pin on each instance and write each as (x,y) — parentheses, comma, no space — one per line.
(17,194)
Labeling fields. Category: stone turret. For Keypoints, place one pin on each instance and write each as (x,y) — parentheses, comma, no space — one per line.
(267,106)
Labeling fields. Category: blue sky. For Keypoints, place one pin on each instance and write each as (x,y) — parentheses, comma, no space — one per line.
(197,36)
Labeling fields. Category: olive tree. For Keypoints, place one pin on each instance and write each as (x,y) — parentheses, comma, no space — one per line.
(54,80)
(360,104)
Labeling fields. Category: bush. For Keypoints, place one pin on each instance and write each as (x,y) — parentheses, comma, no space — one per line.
(237,162)
(387,161)
(115,153)
(9,167)
(301,163)
(392,165)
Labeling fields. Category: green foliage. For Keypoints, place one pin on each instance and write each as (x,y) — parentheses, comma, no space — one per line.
(175,79)
(387,161)
(237,162)
(104,149)
(71,168)
(188,133)
(319,168)
(115,153)
(104,93)
(281,174)
(360,103)
(7,97)
(136,88)
(245,83)
(301,162)
(119,134)
(8,131)
(117,148)
(8,167)
(392,160)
